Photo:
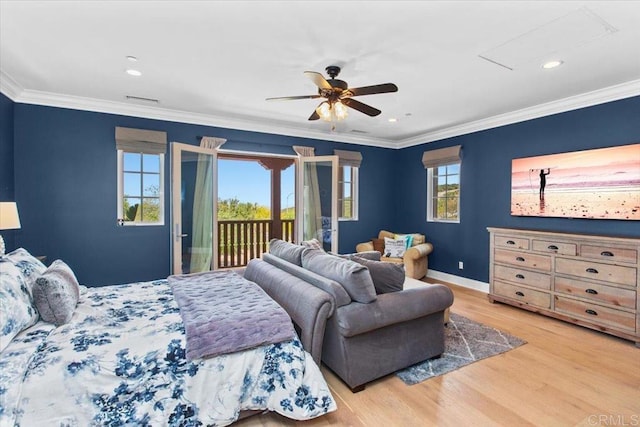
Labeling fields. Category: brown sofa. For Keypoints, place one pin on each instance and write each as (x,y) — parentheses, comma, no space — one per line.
(363,335)
(416,258)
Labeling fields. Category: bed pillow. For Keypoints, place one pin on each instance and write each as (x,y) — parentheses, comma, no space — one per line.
(16,309)
(286,251)
(354,278)
(56,293)
(387,276)
(394,247)
(30,267)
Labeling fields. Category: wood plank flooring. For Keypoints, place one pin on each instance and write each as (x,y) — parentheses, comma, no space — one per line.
(565,375)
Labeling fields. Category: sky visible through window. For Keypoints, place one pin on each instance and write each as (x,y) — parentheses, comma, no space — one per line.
(247,181)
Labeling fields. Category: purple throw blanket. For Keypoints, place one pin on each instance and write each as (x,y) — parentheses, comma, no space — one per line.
(223,313)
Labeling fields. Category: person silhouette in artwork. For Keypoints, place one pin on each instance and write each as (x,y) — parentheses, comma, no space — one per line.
(543,181)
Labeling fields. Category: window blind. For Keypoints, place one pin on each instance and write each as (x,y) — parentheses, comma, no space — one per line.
(141,141)
(442,156)
(348,158)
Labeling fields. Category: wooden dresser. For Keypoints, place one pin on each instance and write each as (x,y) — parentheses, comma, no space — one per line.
(587,280)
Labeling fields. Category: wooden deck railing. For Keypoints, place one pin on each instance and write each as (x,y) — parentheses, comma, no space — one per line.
(240,241)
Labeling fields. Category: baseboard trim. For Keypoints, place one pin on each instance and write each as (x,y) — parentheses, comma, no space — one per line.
(460,281)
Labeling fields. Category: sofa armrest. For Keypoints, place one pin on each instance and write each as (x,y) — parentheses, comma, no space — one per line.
(308,306)
(418,251)
(396,307)
(364,247)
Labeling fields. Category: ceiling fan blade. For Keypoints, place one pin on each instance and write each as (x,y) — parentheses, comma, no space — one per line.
(363,108)
(370,90)
(283,98)
(314,116)
(318,79)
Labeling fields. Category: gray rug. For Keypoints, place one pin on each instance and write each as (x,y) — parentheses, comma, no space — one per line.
(466,342)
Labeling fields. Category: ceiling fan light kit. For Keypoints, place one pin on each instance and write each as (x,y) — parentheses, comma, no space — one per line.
(339,96)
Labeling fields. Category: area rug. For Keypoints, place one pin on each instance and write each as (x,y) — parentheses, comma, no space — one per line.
(466,342)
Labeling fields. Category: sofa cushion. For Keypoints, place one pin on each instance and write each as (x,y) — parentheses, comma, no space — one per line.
(378,245)
(287,251)
(353,277)
(394,247)
(387,277)
(313,244)
(56,293)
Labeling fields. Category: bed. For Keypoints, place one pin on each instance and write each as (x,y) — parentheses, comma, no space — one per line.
(121,360)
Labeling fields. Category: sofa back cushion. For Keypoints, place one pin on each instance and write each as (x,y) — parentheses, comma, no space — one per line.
(387,276)
(340,296)
(353,277)
(286,251)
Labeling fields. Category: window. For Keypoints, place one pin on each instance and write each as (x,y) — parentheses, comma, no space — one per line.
(349,164)
(443,184)
(140,176)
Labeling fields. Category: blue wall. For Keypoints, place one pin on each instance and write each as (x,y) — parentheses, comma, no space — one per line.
(6,163)
(65,184)
(64,180)
(486,182)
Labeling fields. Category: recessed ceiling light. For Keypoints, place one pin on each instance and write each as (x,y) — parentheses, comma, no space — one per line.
(552,64)
(393,120)
(132,58)
(133,72)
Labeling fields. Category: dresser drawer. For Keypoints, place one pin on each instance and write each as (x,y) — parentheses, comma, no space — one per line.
(597,271)
(609,253)
(511,242)
(523,259)
(517,275)
(522,294)
(596,313)
(555,247)
(598,293)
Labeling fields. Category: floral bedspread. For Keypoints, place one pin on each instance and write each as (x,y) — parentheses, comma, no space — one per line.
(121,361)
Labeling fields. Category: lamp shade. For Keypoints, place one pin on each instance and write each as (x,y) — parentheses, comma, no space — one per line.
(9,218)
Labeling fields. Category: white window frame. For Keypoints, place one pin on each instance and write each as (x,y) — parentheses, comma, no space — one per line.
(353,184)
(121,194)
(432,185)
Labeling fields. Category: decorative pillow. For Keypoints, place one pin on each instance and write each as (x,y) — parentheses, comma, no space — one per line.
(408,238)
(353,277)
(29,266)
(312,244)
(286,251)
(378,245)
(56,293)
(394,247)
(16,309)
(387,276)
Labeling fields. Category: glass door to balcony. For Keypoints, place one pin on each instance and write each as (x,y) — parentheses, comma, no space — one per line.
(194,194)
(318,207)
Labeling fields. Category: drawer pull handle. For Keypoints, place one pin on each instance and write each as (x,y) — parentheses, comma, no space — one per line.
(592,270)
(591,312)
(552,247)
(510,242)
(520,294)
(519,276)
(520,259)
(606,253)
(591,291)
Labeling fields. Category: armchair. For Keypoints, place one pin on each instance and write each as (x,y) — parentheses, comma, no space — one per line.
(415,258)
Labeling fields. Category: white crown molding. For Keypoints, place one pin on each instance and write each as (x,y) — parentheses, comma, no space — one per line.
(16,93)
(600,96)
(9,86)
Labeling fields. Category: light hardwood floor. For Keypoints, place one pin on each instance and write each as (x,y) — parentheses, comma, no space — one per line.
(565,375)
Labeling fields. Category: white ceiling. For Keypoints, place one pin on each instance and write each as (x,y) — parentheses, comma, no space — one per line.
(460,66)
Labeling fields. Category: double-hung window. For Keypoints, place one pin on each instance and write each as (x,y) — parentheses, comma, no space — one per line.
(443,184)
(140,176)
(349,164)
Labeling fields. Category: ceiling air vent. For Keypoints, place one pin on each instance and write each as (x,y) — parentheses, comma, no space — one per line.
(358,131)
(139,98)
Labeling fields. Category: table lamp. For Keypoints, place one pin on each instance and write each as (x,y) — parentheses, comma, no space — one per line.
(9,220)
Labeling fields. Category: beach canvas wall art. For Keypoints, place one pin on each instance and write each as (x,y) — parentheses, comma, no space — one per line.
(602,183)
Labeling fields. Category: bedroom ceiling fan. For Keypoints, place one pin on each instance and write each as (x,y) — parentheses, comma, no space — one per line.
(339,96)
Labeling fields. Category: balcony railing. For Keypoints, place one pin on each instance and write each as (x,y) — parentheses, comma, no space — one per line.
(241,241)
